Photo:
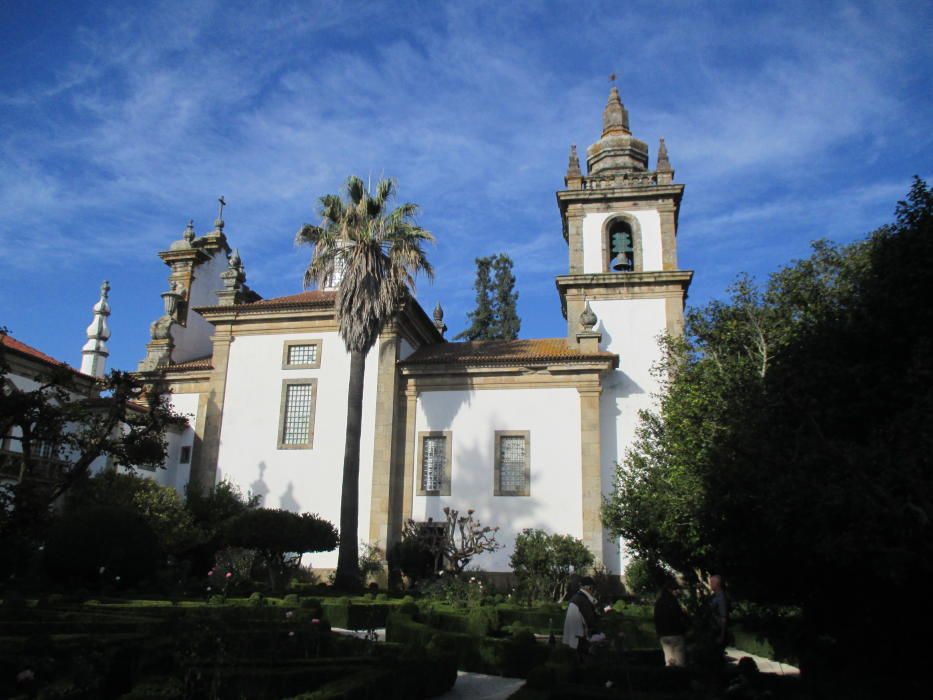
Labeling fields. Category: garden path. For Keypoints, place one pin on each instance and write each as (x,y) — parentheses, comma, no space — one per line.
(764,665)
(478,686)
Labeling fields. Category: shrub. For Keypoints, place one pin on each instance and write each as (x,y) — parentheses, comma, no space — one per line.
(543,564)
(101,545)
(160,506)
(291,600)
(280,537)
(370,562)
(643,576)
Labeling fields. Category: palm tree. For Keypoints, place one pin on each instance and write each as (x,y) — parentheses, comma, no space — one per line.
(372,255)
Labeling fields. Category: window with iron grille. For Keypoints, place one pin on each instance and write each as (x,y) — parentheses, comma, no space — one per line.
(301,354)
(434,463)
(296,422)
(512,463)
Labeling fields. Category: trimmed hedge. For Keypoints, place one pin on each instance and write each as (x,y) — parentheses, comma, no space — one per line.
(513,656)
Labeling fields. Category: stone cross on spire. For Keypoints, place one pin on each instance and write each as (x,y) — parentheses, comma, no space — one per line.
(219,224)
(95,353)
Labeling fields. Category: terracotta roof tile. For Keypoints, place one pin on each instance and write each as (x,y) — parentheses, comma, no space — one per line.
(196,364)
(502,352)
(313,297)
(11,343)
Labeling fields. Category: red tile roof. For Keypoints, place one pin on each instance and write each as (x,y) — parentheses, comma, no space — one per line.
(480,352)
(17,346)
(314,298)
(191,365)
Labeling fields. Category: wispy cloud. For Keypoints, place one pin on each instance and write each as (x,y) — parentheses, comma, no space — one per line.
(776,118)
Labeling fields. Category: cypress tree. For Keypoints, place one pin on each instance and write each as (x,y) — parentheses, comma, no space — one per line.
(495,316)
(505,299)
(482,317)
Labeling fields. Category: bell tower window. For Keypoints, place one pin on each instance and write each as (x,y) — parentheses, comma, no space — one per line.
(621,244)
(621,247)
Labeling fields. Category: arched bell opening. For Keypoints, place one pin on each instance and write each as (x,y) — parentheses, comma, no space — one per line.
(622,245)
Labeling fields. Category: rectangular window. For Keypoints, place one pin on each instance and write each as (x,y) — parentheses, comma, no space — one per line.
(296,413)
(185,457)
(434,463)
(301,354)
(513,463)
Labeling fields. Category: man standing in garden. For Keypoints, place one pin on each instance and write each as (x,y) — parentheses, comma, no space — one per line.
(670,623)
(719,605)
(581,625)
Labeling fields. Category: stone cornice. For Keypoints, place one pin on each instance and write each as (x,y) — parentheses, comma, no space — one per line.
(193,255)
(659,284)
(421,378)
(566,198)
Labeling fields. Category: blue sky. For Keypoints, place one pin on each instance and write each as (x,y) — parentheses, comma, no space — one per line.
(787,122)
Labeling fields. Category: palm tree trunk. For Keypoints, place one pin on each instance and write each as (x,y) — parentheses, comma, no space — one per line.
(348,573)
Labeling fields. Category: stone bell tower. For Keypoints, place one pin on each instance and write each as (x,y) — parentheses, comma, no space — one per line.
(620,224)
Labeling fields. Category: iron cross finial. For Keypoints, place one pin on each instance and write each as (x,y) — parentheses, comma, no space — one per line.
(220,199)
(612,77)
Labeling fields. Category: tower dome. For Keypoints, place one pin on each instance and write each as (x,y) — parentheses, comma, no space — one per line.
(617,150)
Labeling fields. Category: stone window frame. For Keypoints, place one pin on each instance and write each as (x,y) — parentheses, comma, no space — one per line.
(497,476)
(292,343)
(638,250)
(444,490)
(280,436)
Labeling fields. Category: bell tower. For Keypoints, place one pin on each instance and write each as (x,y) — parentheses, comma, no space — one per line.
(624,288)
(620,224)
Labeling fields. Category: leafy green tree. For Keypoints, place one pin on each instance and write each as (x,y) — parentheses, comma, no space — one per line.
(280,537)
(495,316)
(160,506)
(792,446)
(544,564)
(375,253)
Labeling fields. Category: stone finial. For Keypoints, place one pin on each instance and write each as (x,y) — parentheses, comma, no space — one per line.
(587,318)
(187,238)
(219,221)
(233,278)
(665,171)
(439,319)
(615,116)
(664,165)
(94,353)
(573,163)
(588,339)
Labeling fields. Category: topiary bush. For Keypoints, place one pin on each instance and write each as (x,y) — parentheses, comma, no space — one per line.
(544,564)
(101,546)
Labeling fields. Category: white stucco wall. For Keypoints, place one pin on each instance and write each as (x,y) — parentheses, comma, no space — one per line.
(300,480)
(552,416)
(175,474)
(631,329)
(650,223)
(193,340)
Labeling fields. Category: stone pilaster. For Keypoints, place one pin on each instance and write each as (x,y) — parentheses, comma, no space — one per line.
(668,214)
(590,469)
(386,391)
(204,456)
(408,452)
(575,238)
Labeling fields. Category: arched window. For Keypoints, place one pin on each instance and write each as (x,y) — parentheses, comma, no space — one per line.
(622,245)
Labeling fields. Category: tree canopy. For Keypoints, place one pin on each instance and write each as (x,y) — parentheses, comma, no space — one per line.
(495,316)
(791,448)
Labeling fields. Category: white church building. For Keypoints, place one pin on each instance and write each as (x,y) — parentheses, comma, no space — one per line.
(525,432)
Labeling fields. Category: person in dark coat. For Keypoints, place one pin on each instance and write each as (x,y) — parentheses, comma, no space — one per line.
(581,626)
(670,623)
